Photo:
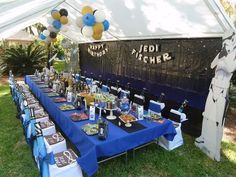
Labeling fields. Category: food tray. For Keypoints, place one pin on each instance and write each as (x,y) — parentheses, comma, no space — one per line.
(40,114)
(39,82)
(59,99)
(35,79)
(47,90)
(36,106)
(127,118)
(90,129)
(43,86)
(66,107)
(78,116)
(53,94)
(32,101)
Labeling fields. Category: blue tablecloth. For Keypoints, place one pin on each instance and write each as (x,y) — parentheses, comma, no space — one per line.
(91,147)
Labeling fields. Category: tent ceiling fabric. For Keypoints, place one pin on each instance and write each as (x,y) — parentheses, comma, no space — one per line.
(129,19)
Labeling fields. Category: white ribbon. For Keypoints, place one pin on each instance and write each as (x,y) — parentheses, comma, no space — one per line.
(56,137)
(69,156)
(48,124)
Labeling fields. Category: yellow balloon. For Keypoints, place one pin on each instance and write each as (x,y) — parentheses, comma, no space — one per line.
(87,10)
(97,36)
(64,20)
(54,40)
(56,15)
(98,28)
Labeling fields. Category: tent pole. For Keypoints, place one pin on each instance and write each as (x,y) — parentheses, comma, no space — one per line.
(49,55)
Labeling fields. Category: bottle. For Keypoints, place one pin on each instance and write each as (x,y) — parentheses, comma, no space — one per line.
(69,94)
(102,129)
(161,98)
(184,104)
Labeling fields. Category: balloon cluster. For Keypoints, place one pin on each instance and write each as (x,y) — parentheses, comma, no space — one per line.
(57,22)
(92,23)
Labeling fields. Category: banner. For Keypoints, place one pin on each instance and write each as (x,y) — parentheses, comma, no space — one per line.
(97,50)
(151,54)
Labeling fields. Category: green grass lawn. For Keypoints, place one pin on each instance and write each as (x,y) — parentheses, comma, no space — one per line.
(152,161)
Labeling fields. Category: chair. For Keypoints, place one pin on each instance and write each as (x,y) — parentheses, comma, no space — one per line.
(62,164)
(55,143)
(138,100)
(114,91)
(77,77)
(41,116)
(48,128)
(66,165)
(155,107)
(176,117)
(89,81)
(124,93)
(94,86)
(105,89)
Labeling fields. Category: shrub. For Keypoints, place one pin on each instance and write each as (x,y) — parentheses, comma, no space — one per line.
(23,59)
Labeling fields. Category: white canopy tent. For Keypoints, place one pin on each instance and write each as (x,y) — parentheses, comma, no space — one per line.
(129,19)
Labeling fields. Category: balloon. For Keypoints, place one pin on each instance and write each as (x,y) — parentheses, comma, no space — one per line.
(63,12)
(99,15)
(98,28)
(79,21)
(64,28)
(53,35)
(54,10)
(42,37)
(106,25)
(64,20)
(56,15)
(87,31)
(52,29)
(56,24)
(50,20)
(97,36)
(46,33)
(87,10)
(89,19)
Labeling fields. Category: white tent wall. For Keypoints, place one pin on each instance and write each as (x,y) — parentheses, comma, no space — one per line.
(129,19)
(22,13)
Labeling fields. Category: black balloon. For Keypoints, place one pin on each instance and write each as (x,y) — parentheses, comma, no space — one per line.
(53,35)
(43,28)
(63,12)
(94,11)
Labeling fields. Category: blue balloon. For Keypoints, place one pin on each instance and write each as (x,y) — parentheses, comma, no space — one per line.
(106,25)
(56,24)
(54,10)
(42,37)
(89,19)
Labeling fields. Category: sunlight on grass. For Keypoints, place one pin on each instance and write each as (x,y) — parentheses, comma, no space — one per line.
(229,150)
(4,90)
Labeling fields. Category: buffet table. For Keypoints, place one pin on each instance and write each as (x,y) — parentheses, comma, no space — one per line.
(90,147)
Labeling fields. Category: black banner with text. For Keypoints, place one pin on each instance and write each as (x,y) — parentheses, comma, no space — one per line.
(181,65)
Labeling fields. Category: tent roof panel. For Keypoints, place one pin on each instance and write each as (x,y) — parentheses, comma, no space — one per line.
(129,19)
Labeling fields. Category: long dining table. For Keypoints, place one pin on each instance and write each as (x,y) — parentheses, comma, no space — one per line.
(90,147)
